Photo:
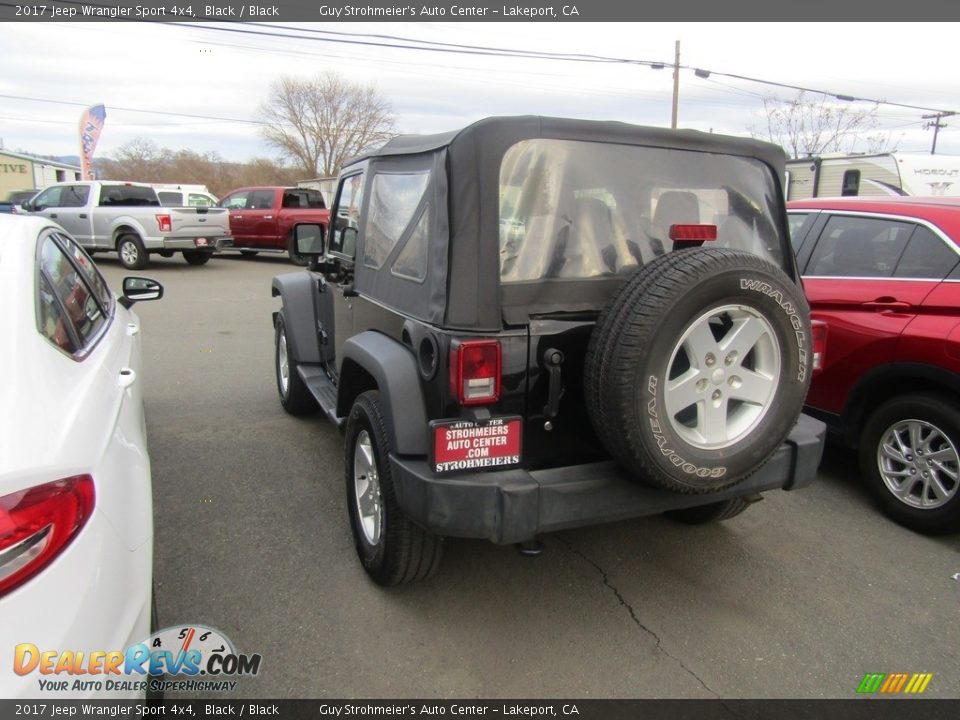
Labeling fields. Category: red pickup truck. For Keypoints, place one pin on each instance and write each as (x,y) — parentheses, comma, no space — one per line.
(262,218)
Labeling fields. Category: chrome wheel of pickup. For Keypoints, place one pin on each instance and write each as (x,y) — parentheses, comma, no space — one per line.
(131,252)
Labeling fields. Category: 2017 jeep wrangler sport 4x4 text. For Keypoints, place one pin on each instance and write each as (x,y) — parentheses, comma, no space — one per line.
(533,324)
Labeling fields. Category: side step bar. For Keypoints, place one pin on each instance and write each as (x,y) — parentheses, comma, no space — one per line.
(325,392)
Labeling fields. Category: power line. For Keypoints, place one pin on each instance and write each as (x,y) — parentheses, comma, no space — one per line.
(423,45)
(398,42)
(402,43)
(136,110)
(839,96)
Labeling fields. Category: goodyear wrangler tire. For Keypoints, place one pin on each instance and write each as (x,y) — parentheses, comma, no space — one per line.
(698,368)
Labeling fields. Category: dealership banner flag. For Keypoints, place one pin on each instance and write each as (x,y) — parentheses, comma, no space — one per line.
(91,124)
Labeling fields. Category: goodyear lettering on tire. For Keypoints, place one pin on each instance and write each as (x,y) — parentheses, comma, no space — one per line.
(662,443)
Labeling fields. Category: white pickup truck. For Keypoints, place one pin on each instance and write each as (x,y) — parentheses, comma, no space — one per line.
(128,218)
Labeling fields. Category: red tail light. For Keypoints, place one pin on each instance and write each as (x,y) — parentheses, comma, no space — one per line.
(693,233)
(163,222)
(36,525)
(818,329)
(475,371)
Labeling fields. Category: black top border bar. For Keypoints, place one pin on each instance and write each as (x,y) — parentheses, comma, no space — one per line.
(337,11)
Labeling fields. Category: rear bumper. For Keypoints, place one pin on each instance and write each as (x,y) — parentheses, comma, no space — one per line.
(516,505)
(191,243)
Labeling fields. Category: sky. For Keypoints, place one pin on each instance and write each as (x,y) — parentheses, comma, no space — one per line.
(50,71)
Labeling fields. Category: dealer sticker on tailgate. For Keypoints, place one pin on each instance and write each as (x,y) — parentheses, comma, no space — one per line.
(465,444)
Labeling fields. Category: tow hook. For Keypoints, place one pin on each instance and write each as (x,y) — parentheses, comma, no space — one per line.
(552,360)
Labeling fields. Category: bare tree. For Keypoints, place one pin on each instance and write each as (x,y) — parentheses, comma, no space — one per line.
(138,158)
(321,122)
(142,161)
(811,125)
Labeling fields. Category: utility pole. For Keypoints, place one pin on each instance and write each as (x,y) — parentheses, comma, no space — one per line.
(936,125)
(676,85)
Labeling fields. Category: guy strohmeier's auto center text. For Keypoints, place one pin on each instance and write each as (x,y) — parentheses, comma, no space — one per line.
(240,11)
(450,10)
(524,709)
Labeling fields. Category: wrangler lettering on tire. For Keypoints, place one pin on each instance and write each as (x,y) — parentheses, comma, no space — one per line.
(698,367)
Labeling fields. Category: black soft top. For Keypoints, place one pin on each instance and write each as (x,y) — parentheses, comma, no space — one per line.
(502,132)
(465,263)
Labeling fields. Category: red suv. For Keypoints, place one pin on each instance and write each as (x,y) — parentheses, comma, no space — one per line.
(883,275)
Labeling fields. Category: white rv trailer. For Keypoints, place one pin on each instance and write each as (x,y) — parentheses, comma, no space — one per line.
(873,175)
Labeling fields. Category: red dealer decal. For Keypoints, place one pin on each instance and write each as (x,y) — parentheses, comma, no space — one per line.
(465,445)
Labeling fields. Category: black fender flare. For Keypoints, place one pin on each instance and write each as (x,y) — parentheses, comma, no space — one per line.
(394,369)
(296,291)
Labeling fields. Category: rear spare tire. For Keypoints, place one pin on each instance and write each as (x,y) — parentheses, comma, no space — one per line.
(698,368)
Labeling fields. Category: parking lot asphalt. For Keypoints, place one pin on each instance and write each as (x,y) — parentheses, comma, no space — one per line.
(799,597)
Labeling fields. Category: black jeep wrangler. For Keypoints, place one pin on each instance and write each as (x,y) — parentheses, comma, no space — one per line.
(535,323)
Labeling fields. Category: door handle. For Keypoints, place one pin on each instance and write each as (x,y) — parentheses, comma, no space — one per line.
(132,329)
(127,377)
(83,216)
(53,215)
(890,304)
(268,217)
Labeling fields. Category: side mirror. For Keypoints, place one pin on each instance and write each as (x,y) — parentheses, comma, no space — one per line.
(27,205)
(309,239)
(139,289)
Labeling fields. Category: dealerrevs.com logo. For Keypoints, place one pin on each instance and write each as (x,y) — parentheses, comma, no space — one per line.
(894,683)
(191,657)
